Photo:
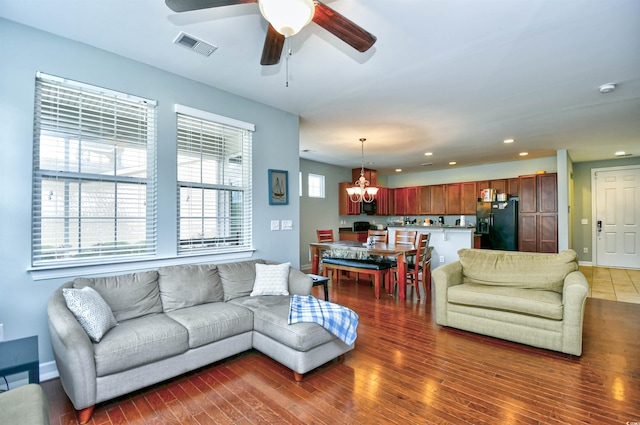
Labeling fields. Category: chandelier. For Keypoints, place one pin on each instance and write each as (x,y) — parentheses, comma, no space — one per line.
(287,17)
(361,191)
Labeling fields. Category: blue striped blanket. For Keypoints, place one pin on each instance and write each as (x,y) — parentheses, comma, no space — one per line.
(339,320)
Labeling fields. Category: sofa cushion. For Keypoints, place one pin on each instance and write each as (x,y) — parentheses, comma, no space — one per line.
(271,316)
(546,304)
(90,310)
(187,285)
(237,278)
(139,341)
(212,322)
(128,295)
(527,270)
(271,279)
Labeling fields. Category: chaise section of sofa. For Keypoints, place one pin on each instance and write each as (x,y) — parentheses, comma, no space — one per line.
(530,298)
(177,319)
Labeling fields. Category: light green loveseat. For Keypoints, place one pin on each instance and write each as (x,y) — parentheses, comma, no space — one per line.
(530,298)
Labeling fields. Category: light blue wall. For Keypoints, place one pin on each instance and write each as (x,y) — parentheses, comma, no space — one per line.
(317,213)
(275,145)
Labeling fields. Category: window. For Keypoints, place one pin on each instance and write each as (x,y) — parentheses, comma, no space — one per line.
(94,181)
(316,186)
(214,183)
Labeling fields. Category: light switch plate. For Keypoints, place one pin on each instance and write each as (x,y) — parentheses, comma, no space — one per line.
(584,221)
(287,224)
(275,225)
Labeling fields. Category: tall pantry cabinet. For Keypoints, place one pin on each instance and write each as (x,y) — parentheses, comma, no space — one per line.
(538,205)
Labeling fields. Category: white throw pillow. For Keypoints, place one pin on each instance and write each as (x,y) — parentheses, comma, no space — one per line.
(91,311)
(271,279)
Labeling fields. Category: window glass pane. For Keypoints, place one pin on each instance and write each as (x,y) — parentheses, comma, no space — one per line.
(214,186)
(94,188)
(316,186)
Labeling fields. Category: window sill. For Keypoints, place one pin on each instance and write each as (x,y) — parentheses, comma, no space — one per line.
(73,271)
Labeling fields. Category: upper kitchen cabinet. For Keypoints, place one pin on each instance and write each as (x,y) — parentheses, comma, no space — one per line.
(371,175)
(469,198)
(345,206)
(383,201)
(453,198)
(513,186)
(438,199)
(500,185)
(538,193)
(405,201)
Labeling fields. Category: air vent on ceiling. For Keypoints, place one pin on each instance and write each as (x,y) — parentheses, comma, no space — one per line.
(192,43)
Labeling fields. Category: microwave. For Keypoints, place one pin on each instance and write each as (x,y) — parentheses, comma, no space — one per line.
(368,208)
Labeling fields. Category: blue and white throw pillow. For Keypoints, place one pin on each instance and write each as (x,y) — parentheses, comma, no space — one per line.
(90,310)
(271,279)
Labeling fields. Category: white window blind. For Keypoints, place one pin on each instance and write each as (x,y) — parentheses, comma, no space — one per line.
(214,185)
(94,182)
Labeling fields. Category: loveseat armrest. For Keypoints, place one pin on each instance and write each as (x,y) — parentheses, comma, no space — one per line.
(574,296)
(443,278)
(299,282)
(73,352)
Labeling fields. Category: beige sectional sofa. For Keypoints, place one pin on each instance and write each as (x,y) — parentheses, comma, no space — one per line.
(177,319)
(530,298)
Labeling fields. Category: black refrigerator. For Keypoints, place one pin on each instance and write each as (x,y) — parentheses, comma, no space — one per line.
(497,222)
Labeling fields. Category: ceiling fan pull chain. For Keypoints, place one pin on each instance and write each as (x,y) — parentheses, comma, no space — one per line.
(286,64)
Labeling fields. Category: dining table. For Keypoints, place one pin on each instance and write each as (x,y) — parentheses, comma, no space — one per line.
(400,252)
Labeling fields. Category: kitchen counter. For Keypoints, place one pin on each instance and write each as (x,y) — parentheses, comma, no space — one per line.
(445,240)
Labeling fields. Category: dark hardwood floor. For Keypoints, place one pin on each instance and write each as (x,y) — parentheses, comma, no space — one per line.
(405,370)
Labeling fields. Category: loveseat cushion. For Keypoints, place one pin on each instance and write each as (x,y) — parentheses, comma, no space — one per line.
(139,341)
(212,322)
(188,285)
(546,304)
(129,295)
(271,315)
(527,270)
(238,278)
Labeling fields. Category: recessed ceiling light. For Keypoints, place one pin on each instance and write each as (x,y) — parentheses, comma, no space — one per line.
(452,163)
(622,153)
(398,170)
(507,141)
(428,153)
(523,153)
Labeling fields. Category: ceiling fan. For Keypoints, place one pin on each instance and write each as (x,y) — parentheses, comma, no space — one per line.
(273,10)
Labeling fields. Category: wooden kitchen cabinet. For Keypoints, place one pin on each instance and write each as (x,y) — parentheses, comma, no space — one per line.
(499,185)
(454,199)
(480,186)
(383,201)
(438,199)
(345,206)
(354,236)
(397,201)
(538,207)
(424,200)
(405,201)
(371,175)
(513,186)
(469,198)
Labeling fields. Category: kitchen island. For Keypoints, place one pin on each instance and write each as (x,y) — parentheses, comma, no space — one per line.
(445,240)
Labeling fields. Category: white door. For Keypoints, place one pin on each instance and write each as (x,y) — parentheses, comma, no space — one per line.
(617,217)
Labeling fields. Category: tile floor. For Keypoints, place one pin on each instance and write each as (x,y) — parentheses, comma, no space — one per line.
(613,284)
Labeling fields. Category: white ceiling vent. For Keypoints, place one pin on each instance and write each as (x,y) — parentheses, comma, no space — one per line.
(192,43)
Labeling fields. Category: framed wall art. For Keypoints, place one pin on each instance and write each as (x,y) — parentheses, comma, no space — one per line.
(278,187)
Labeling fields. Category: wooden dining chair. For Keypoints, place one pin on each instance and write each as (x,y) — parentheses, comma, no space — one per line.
(406,237)
(418,271)
(325,235)
(379,236)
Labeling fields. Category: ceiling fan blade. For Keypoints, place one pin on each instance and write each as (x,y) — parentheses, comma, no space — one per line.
(187,5)
(346,30)
(272,50)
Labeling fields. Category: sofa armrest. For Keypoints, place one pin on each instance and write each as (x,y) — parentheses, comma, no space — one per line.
(574,296)
(73,352)
(444,277)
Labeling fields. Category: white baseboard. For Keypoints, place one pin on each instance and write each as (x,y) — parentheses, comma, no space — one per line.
(585,263)
(48,371)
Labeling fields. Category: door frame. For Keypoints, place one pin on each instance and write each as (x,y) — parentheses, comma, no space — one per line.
(594,229)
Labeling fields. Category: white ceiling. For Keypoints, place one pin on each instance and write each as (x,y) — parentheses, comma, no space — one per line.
(452,77)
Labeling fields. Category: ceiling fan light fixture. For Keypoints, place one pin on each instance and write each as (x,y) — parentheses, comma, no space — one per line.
(287,17)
